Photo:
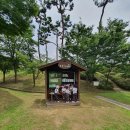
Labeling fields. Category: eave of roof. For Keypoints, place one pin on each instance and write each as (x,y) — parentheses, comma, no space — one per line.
(43,67)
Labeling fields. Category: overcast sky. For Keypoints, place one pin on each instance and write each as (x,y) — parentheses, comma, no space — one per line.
(90,14)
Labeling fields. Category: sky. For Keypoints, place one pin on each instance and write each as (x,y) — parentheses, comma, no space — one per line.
(90,15)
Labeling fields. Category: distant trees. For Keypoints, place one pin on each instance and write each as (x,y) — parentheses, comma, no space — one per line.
(10,46)
(28,60)
(15,22)
(81,46)
(57,27)
(107,48)
(114,49)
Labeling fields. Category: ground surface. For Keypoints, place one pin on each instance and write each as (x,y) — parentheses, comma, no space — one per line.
(120,96)
(27,111)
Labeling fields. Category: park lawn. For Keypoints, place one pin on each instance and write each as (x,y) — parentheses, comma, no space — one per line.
(25,83)
(123,96)
(27,111)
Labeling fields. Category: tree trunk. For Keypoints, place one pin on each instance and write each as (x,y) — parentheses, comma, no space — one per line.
(107,78)
(39,53)
(3,76)
(34,84)
(100,22)
(57,48)
(15,73)
(62,37)
(46,54)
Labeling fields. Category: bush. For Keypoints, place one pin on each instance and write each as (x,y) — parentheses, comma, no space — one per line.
(121,81)
(102,85)
(102,82)
(83,76)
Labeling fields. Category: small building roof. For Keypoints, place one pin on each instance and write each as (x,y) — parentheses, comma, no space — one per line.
(73,64)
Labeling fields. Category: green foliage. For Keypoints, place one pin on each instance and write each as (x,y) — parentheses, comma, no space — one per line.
(15,15)
(102,85)
(114,49)
(119,79)
(58,27)
(81,46)
(5,65)
(83,76)
(102,82)
(124,69)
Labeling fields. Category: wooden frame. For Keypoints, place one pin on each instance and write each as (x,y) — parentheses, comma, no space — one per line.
(59,66)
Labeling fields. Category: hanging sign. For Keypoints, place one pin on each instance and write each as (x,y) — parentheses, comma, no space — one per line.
(64,64)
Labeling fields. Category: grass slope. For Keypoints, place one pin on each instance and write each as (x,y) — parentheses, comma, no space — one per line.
(25,82)
(30,113)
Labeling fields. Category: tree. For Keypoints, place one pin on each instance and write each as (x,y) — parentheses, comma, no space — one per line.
(81,46)
(102,3)
(5,65)
(64,23)
(114,48)
(31,63)
(44,30)
(15,15)
(10,46)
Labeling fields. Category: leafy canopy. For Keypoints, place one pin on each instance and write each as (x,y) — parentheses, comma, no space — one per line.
(15,15)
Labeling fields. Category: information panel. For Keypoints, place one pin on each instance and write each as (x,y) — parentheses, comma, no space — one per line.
(54,79)
(58,78)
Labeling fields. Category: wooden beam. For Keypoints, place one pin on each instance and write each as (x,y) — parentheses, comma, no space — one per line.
(78,84)
(45,85)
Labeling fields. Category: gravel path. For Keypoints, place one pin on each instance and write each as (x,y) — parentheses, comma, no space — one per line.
(114,102)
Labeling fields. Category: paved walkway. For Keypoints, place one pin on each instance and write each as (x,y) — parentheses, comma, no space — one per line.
(114,102)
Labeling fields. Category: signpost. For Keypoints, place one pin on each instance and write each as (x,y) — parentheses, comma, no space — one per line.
(64,64)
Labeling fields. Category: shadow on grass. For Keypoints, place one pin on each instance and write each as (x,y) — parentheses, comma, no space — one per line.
(39,103)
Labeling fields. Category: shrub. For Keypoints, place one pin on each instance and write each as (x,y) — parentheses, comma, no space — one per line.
(121,81)
(102,85)
(83,76)
(102,82)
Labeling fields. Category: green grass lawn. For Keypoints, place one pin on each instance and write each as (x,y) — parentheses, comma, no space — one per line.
(122,96)
(27,111)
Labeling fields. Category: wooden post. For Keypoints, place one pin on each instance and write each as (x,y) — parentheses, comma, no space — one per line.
(78,79)
(45,85)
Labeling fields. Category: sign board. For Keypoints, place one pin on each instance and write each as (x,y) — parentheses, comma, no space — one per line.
(59,78)
(54,79)
(96,83)
(64,64)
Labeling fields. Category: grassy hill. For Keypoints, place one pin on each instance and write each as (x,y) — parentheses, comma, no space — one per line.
(25,83)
